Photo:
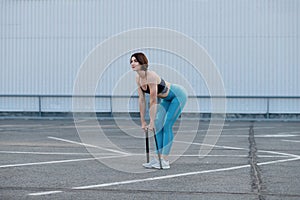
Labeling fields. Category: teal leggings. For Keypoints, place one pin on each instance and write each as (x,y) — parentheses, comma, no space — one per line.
(167,113)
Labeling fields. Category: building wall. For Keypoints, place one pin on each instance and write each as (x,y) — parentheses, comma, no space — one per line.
(254,45)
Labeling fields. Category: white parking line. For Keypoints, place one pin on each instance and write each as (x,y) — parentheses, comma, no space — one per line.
(158,178)
(108,154)
(279,153)
(279,161)
(210,145)
(244,135)
(88,145)
(59,161)
(45,193)
(296,141)
(231,156)
(275,136)
(238,148)
(140,180)
(163,177)
(294,158)
(53,153)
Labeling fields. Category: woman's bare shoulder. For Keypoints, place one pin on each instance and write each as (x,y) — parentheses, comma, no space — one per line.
(153,76)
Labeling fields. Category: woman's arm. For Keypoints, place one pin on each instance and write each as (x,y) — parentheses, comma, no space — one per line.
(153,102)
(142,105)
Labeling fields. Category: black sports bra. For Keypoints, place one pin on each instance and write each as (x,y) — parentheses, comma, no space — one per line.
(161,87)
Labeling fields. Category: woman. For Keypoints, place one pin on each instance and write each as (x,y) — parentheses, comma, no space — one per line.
(162,117)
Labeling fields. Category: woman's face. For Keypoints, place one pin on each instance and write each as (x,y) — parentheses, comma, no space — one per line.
(135,65)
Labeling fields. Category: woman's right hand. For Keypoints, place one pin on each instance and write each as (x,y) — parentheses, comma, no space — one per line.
(144,125)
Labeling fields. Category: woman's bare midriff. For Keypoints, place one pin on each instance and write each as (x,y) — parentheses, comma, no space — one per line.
(164,95)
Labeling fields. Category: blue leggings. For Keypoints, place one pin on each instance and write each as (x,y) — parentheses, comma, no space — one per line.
(167,113)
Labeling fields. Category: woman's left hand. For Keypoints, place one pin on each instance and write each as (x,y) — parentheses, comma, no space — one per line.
(151,126)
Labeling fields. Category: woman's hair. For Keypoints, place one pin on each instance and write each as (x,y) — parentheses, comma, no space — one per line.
(142,59)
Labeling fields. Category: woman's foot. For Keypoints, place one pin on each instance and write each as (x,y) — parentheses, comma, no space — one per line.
(164,163)
(149,164)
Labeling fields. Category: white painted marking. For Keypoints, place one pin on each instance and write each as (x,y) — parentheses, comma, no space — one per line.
(201,144)
(178,175)
(246,135)
(53,153)
(279,161)
(231,156)
(45,193)
(222,155)
(238,129)
(290,132)
(275,136)
(246,128)
(238,148)
(88,145)
(197,155)
(20,125)
(57,161)
(158,178)
(295,157)
(296,141)
(279,153)
(268,156)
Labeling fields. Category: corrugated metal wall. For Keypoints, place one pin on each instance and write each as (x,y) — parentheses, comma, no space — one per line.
(254,44)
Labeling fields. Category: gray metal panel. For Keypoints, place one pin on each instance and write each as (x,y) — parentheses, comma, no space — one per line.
(285,106)
(254,43)
(20,104)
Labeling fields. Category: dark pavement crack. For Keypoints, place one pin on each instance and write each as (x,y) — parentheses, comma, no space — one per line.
(255,172)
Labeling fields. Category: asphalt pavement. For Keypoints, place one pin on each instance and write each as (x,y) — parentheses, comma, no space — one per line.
(63,159)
